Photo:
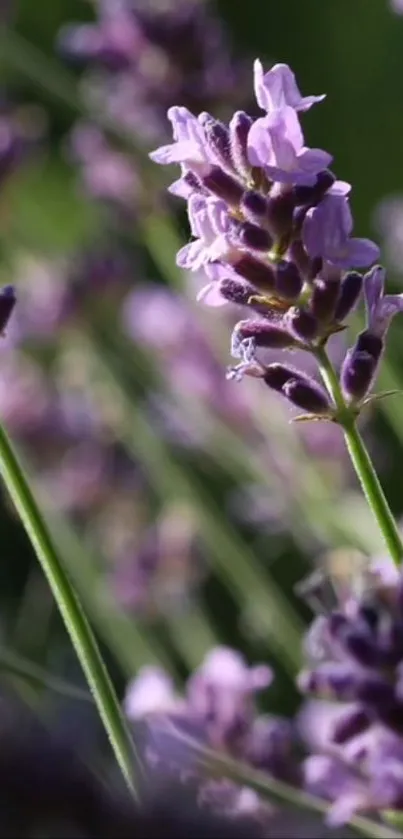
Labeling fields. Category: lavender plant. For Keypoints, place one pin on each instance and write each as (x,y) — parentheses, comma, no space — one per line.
(272,230)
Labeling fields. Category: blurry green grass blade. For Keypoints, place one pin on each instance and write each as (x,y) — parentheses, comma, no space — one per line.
(162,240)
(17,665)
(191,633)
(45,213)
(18,54)
(22,56)
(231,559)
(390,378)
(131,644)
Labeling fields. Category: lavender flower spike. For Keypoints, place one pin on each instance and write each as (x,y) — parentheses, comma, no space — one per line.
(278,88)
(381,308)
(276,144)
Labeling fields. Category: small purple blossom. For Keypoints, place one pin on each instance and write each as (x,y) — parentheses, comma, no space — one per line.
(356,739)
(278,88)
(326,233)
(276,144)
(190,147)
(218,710)
(381,308)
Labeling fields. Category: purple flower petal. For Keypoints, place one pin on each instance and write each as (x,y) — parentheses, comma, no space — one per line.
(374,284)
(190,146)
(314,160)
(276,143)
(191,257)
(362,253)
(210,295)
(278,88)
(326,232)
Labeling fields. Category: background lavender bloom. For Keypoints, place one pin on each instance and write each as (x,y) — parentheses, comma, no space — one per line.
(358,652)
(217,710)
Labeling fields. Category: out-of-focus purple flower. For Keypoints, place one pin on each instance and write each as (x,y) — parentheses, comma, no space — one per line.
(381,307)
(159,573)
(357,744)
(276,144)
(217,710)
(151,692)
(21,130)
(108,175)
(221,694)
(278,88)
(326,233)
(396,6)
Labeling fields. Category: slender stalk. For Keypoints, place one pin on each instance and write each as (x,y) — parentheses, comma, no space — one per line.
(21,668)
(70,609)
(362,462)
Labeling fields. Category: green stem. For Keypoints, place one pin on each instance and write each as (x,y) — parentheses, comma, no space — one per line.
(362,462)
(70,609)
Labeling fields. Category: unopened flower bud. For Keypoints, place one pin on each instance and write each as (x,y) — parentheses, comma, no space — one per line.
(264,334)
(288,280)
(7,303)
(223,185)
(236,291)
(308,397)
(253,237)
(256,272)
(239,129)
(352,723)
(280,210)
(349,295)
(302,324)
(360,365)
(310,195)
(324,298)
(301,390)
(253,206)
(218,139)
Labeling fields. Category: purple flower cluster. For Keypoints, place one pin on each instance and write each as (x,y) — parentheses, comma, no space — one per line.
(144,55)
(217,710)
(356,654)
(139,57)
(272,231)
